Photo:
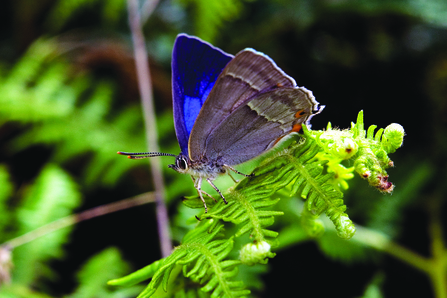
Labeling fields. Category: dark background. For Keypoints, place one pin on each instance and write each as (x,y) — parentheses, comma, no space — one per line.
(387,58)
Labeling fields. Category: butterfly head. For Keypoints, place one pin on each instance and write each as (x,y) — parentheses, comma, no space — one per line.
(182,164)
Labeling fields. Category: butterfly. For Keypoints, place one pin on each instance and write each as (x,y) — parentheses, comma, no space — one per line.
(229,109)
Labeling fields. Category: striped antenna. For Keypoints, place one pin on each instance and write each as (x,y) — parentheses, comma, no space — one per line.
(141,155)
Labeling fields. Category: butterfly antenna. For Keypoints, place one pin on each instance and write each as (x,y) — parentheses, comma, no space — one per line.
(141,155)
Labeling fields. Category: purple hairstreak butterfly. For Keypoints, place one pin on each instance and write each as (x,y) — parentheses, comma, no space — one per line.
(229,109)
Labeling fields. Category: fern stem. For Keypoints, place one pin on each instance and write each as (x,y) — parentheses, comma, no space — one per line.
(76,218)
(382,242)
(434,267)
(145,87)
(217,270)
(254,219)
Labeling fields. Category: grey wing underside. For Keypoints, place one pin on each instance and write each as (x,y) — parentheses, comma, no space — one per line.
(246,75)
(257,126)
(251,106)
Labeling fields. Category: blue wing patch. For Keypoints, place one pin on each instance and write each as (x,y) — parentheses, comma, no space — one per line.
(196,66)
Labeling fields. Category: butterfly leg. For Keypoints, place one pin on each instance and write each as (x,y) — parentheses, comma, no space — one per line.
(199,189)
(237,172)
(232,178)
(198,186)
(203,200)
(215,187)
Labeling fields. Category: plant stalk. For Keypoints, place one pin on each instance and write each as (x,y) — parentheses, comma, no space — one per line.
(145,88)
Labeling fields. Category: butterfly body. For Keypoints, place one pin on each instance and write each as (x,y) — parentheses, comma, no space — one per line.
(201,168)
(229,109)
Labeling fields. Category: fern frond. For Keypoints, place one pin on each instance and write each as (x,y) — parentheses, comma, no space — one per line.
(63,10)
(372,159)
(246,208)
(210,15)
(138,276)
(306,175)
(92,276)
(41,90)
(202,256)
(53,195)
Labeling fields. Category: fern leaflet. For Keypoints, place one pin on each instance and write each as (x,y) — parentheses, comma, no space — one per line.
(202,255)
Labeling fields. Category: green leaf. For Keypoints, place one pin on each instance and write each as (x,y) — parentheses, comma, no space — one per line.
(202,256)
(210,15)
(137,276)
(52,196)
(64,10)
(93,277)
(41,90)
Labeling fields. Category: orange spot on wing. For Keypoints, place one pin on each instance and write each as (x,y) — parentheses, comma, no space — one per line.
(300,113)
(296,127)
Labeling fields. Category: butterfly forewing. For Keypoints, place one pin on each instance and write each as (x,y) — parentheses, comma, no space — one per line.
(249,73)
(196,66)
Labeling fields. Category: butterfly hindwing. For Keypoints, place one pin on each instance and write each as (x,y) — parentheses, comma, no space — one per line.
(196,66)
(259,124)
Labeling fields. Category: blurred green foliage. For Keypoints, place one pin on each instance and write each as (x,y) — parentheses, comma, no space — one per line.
(69,101)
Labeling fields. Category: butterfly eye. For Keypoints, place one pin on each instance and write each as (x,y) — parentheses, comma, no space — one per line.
(182,163)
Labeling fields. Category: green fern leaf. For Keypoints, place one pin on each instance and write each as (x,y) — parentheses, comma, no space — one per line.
(65,9)
(202,255)
(137,276)
(92,277)
(305,172)
(210,15)
(41,90)
(53,196)
(372,159)
(246,208)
